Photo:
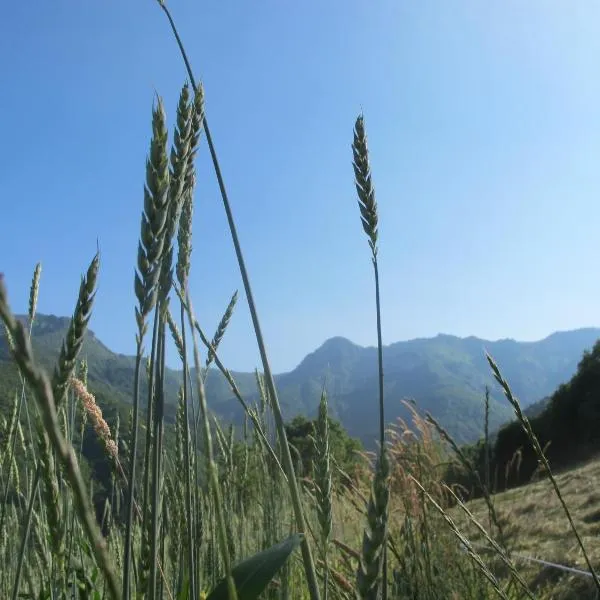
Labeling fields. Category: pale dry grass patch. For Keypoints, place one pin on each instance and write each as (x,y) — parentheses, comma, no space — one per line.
(537,526)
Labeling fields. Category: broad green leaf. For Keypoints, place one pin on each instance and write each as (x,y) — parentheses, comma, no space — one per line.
(252,575)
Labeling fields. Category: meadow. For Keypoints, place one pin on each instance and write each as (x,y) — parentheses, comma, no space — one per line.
(201,511)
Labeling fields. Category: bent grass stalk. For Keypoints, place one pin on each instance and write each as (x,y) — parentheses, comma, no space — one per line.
(526,425)
(40,384)
(65,367)
(234,388)
(500,551)
(468,466)
(288,465)
(211,466)
(464,541)
(33,298)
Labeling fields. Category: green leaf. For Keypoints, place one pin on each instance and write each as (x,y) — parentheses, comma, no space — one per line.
(252,575)
(185,590)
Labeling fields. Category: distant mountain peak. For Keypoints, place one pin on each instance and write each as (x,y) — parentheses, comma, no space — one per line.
(331,352)
(338,341)
(446,336)
(571,332)
(47,322)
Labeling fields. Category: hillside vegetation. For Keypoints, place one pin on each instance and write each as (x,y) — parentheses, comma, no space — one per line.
(567,425)
(447,375)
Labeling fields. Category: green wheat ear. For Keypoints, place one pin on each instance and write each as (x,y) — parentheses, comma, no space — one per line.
(364,185)
(323,488)
(181,153)
(75,335)
(184,234)
(154,220)
(322,471)
(221,329)
(34,292)
(375,535)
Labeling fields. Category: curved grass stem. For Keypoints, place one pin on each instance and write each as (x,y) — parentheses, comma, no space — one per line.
(288,465)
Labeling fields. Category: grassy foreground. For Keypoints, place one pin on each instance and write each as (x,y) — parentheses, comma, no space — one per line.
(202,511)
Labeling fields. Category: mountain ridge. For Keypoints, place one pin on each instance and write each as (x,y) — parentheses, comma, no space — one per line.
(445,374)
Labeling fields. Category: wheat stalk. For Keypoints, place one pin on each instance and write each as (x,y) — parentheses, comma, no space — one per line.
(210,462)
(45,467)
(184,243)
(323,491)
(33,299)
(276,407)
(236,392)
(42,388)
(146,279)
(370,585)
(375,540)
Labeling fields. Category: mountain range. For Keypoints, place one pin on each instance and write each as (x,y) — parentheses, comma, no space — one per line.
(445,375)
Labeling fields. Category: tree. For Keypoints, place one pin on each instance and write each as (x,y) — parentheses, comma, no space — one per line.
(344,448)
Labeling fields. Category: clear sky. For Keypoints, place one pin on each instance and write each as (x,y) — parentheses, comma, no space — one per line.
(484,129)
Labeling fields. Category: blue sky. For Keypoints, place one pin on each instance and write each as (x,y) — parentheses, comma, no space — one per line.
(484,130)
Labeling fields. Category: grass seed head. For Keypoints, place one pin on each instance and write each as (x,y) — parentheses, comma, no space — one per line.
(73,342)
(364,184)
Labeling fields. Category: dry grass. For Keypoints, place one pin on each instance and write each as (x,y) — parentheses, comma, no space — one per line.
(535,526)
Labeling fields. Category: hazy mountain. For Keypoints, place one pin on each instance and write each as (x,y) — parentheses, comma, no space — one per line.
(446,375)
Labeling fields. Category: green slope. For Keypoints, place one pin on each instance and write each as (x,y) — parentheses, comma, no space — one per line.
(446,375)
